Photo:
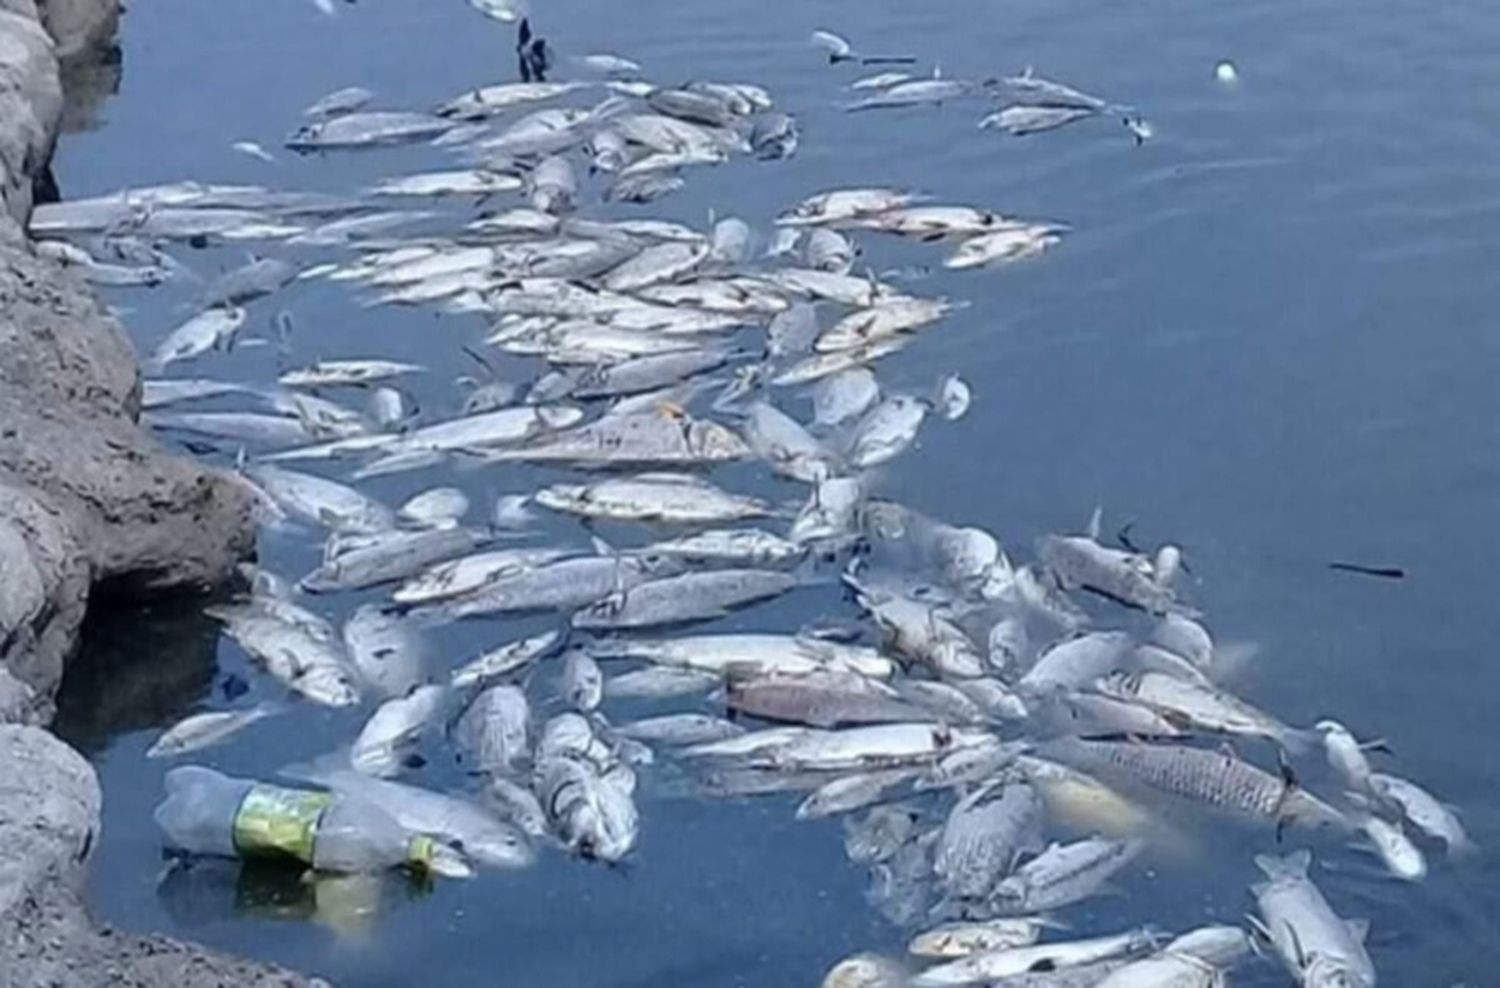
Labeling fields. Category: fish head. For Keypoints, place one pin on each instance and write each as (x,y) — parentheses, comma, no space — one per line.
(560,496)
(1333,972)
(328,685)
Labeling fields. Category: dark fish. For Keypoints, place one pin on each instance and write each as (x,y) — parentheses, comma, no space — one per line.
(1384,572)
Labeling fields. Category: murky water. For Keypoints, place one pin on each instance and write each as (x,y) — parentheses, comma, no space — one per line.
(1269,338)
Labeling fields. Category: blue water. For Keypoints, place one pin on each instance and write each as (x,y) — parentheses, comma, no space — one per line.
(1269,338)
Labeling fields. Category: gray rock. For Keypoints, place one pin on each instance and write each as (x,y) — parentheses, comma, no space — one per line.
(30,107)
(78,25)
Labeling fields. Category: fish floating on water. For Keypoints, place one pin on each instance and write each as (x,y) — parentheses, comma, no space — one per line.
(1001,734)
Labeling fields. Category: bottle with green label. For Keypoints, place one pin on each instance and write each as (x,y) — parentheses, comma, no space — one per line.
(207,812)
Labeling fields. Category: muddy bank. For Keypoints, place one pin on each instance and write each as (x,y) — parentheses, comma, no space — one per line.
(91,509)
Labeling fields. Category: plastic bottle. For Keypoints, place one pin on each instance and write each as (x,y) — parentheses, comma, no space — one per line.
(207,812)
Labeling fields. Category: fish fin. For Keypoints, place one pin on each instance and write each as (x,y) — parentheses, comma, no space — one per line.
(1377,744)
(1297,951)
(1123,537)
(1260,934)
(1096,522)
(1358,928)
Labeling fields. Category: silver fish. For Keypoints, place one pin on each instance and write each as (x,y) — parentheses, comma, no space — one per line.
(386,648)
(506,659)
(319,501)
(1021,119)
(687,597)
(493,730)
(211,329)
(340,101)
(1211,778)
(1314,944)
(845,396)
(1423,811)
(660,682)
(886,431)
(594,818)
(680,729)
(256,278)
(1001,965)
(366,129)
(984,834)
(953,940)
(397,723)
(361,561)
(581,681)
(469,573)
(653,497)
(204,730)
(1062,875)
(646,439)
(819,698)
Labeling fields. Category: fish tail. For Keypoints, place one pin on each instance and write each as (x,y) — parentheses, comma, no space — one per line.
(1294,865)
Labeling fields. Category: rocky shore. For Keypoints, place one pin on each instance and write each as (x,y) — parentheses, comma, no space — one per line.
(92,510)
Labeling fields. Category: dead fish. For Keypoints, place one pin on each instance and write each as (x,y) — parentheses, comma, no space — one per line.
(687,597)
(679,729)
(212,329)
(643,188)
(852,792)
(1062,875)
(660,682)
(330,373)
(259,277)
(647,439)
(339,101)
(494,730)
(774,136)
(1035,90)
(652,497)
(506,659)
(253,150)
(886,431)
(840,50)
(397,723)
(357,561)
(581,682)
(1211,778)
(386,648)
(819,698)
(458,182)
(204,730)
(842,205)
(984,834)
(371,128)
(319,501)
(488,101)
(1020,119)
(915,92)
(1004,246)
(785,445)
(552,185)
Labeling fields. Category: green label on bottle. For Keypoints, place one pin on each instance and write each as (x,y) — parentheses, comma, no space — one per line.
(273,821)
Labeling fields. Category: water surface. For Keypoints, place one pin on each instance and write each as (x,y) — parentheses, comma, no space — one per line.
(1269,338)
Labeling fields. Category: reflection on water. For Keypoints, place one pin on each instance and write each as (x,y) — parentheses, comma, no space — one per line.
(136,668)
(89,78)
(205,892)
